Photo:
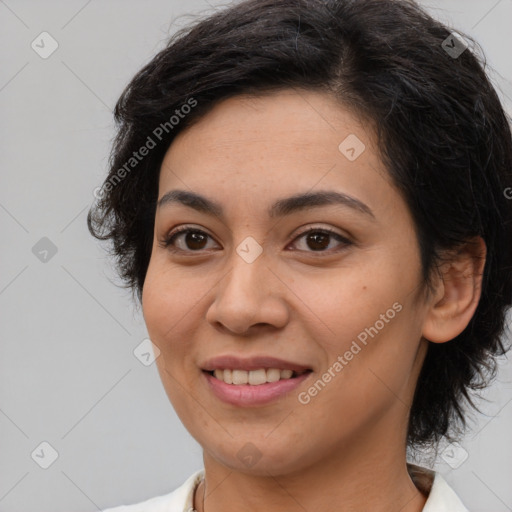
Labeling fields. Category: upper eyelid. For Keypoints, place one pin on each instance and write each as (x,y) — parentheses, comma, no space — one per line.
(186,228)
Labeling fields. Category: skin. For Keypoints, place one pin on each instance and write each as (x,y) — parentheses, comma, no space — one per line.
(347,445)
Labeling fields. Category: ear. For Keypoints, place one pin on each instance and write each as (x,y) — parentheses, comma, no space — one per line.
(457,292)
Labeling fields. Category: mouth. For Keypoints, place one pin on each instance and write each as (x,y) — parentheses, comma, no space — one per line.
(252,381)
(258,377)
(244,394)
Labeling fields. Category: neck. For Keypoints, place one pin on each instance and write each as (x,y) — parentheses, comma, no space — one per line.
(353,478)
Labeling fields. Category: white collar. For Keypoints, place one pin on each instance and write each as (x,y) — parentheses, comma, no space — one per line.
(441,497)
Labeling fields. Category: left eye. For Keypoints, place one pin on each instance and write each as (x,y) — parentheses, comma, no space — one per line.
(194,240)
(319,240)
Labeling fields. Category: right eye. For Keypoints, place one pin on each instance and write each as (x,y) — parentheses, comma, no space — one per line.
(190,239)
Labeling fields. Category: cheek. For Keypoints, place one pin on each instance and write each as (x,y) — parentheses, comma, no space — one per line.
(167,307)
(370,319)
(166,303)
(341,304)
(371,380)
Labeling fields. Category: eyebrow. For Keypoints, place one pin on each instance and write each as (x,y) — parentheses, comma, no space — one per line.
(280,208)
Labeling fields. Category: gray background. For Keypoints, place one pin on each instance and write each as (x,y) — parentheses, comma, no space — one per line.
(68,375)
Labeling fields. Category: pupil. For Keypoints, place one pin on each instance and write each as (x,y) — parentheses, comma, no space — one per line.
(194,239)
(317,239)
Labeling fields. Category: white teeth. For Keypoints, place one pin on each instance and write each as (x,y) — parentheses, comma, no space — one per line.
(257,377)
(228,376)
(253,377)
(273,375)
(286,374)
(240,377)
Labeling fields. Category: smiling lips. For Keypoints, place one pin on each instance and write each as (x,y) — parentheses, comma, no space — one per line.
(252,381)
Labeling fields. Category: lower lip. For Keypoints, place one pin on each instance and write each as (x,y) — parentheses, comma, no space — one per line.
(247,395)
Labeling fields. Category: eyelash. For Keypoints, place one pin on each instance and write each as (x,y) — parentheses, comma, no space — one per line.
(168,241)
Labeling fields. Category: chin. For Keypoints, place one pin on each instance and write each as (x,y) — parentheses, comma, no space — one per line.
(271,460)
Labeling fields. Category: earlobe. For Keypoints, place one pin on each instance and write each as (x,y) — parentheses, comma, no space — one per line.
(457,292)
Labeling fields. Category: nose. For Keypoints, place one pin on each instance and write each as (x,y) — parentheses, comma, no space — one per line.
(248,298)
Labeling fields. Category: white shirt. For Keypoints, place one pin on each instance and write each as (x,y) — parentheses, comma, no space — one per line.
(441,497)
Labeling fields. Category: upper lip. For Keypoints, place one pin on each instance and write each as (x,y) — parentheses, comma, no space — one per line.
(251,363)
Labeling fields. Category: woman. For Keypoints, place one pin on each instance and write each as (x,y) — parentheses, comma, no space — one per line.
(310,200)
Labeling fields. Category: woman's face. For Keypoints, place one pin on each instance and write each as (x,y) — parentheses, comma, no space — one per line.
(247,289)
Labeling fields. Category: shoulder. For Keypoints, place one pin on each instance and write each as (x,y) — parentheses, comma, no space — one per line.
(441,497)
(178,500)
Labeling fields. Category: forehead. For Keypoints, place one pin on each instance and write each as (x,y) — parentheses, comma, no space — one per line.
(307,119)
(276,144)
